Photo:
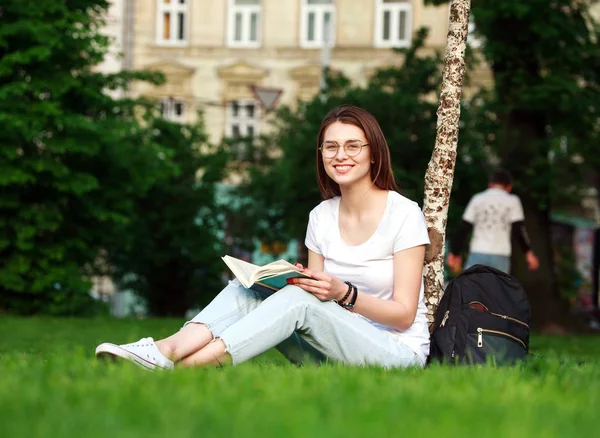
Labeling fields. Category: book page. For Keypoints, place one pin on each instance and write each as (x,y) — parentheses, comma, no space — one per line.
(249,274)
(286,273)
(242,270)
(274,268)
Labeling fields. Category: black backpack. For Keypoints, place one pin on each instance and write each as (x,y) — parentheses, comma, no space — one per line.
(483,316)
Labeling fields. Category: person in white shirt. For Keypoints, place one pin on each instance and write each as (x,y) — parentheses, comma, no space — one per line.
(493,215)
(363,303)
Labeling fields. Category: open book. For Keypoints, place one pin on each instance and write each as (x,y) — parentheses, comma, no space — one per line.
(272,276)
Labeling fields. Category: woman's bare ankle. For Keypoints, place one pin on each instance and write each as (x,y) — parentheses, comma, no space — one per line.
(167,349)
(186,341)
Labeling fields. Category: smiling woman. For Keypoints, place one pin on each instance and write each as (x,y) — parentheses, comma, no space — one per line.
(357,125)
(361,302)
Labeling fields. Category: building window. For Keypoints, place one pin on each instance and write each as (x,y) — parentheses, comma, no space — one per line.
(393,23)
(172,109)
(244,23)
(317,23)
(242,118)
(172,20)
(242,121)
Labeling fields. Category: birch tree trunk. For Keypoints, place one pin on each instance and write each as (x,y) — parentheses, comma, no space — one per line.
(440,171)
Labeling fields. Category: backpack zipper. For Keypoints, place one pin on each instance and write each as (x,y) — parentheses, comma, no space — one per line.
(480,336)
(445,318)
(500,315)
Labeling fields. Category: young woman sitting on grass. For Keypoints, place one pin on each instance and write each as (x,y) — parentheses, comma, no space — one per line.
(364,303)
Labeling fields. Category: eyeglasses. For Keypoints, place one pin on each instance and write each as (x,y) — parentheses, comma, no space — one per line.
(329,149)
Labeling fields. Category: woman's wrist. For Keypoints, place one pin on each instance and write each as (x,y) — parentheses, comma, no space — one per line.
(349,305)
(344,294)
(349,299)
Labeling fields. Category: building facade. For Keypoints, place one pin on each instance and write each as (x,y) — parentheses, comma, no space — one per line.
(221,56)
(115,59)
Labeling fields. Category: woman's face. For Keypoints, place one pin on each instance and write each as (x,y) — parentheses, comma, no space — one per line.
(352,164)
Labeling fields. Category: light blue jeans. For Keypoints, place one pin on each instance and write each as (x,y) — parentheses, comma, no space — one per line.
(494,260)
(301,327)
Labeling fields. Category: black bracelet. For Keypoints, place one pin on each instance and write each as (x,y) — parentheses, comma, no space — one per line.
(350,305)
(347,293)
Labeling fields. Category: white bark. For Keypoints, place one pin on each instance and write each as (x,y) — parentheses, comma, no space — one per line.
(440,171)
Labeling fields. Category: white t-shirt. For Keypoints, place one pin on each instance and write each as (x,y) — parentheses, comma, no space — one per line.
(492,213)
(370,266)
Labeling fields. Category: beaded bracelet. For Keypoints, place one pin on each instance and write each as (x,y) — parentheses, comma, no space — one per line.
(347,293)
(350,305)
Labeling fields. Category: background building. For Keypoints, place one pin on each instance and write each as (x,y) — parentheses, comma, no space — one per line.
(118,56)
(214,51)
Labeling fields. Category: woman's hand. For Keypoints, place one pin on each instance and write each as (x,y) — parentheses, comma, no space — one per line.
(322,285)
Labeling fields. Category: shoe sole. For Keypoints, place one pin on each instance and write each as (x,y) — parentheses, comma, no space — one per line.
(113,351)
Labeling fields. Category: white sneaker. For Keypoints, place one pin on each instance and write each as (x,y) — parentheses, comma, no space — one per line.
(144,353)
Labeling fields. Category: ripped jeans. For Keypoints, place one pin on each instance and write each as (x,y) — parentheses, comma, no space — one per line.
(303,328)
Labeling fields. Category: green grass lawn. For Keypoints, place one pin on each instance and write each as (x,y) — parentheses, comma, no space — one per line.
(52,386)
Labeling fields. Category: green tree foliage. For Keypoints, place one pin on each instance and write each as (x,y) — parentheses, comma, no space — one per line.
(169,252)
(71,156)
(546,64)
(282,183)
(544,110)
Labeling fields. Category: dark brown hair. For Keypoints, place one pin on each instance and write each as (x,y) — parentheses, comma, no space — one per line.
(502,177)
(381,170)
